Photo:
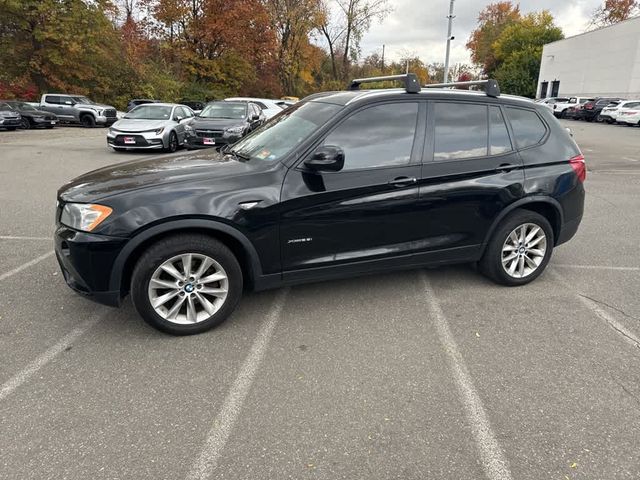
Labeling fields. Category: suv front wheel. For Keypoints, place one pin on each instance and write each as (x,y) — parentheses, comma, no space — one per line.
(186,284)
(519,249)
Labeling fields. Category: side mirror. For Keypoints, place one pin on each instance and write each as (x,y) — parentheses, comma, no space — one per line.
(327,158)
(69,102)
(177,119)
(255,117)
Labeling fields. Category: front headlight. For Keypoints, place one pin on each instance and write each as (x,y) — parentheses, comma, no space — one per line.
(84,217)
(188,128)
(235,130)
(158,131)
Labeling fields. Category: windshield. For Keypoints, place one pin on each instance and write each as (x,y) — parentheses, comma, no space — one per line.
(21,105)
(83,100)
(5,106)
(224,110)
(150,112)
(285,131)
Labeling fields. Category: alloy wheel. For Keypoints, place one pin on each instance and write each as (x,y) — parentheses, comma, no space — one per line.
(188,288)
(524,250)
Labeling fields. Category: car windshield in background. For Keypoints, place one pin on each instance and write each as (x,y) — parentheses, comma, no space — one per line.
(285,131)
(21,106)
(150,112)
(5,106)
(224,110)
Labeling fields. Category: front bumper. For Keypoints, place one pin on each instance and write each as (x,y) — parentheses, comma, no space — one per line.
(108,121)
(10,122)
(193,140)
(141,140)
(629,119)
(86,261)
(44,121)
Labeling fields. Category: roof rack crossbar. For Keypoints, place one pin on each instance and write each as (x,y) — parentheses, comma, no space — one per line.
(410,80)
(491,87)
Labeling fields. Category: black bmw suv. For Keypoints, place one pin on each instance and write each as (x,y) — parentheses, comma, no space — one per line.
(340,184)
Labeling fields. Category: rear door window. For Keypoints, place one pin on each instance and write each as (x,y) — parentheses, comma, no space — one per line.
(54,99)
(461,131)
(528,128)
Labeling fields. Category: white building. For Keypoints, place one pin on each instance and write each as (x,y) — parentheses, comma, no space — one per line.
(602,63)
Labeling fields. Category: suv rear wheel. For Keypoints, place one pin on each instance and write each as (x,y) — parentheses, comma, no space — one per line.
(186,284)
(519,249)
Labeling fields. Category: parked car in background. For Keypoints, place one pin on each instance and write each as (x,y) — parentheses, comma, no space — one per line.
(591,109)
(196,106)
(221,123)
(9,118)
(151,126)
(335,188)
(630,114)
(551,101)
(78,109)
(269,107)
(32,117)
(568,109)
(139,101)
(610,113)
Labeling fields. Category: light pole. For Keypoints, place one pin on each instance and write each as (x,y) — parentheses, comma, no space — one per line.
(449,38)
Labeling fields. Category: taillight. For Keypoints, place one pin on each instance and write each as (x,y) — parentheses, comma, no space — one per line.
(579,166)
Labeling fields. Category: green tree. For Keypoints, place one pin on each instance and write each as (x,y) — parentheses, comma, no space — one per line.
(518,52)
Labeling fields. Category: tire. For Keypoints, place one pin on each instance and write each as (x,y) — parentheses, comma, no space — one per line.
(500,245)
(88,121)
(25,123)
(172,146)
(48,127)
(173,251)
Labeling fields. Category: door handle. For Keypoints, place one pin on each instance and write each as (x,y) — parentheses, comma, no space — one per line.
(403,181)
(506,167)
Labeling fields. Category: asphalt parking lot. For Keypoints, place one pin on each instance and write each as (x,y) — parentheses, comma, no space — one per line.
(428,374)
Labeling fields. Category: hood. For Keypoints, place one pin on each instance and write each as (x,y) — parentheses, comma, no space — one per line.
(155,172)
(139,124)
(217,123)
(9,113)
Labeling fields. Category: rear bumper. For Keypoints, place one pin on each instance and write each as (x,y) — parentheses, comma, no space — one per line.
(86,261)
(568,231)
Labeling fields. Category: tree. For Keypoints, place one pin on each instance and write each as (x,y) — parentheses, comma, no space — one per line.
(614,11)
(518,51)
(492,21)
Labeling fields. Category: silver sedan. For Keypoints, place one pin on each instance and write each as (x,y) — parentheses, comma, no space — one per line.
(151,126)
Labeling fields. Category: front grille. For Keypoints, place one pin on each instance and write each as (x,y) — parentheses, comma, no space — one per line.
(209,133)
(110,112)
(140,141)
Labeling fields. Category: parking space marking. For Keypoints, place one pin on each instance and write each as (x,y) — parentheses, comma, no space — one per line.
(493,460)
(226,418)
(10,237)
(18,379)
(25,266)
(598,267)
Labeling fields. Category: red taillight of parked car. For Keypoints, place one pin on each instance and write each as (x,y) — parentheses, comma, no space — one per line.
(579,166)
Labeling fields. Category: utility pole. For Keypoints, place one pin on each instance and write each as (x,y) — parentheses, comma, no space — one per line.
(449,38)
(383,58)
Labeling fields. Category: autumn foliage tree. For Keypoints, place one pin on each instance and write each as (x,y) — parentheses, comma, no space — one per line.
(492,21)
(614,11)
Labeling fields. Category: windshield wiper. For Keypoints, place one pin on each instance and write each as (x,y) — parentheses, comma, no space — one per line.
(239,156)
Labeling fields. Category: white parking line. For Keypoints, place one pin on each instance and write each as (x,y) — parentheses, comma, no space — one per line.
(598,267)
(10,237)
(226,418)
(14,382)
(493,460)
(25,266)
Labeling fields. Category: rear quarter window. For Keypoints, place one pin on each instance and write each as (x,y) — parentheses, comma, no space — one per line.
(528,127)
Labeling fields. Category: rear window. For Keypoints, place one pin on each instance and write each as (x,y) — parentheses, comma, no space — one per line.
(528,128)
(461,131)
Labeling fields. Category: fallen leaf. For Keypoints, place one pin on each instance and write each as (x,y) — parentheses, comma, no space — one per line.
(574,465)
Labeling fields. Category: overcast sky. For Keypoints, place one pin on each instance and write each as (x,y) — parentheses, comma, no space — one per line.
(420,26)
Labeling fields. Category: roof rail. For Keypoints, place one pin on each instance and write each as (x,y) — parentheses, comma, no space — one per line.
(491,87)
(411,83)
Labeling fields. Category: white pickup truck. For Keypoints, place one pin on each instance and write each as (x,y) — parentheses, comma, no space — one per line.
(560,109)
(78,109)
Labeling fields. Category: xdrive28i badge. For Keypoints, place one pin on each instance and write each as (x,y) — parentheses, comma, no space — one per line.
(300,240)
